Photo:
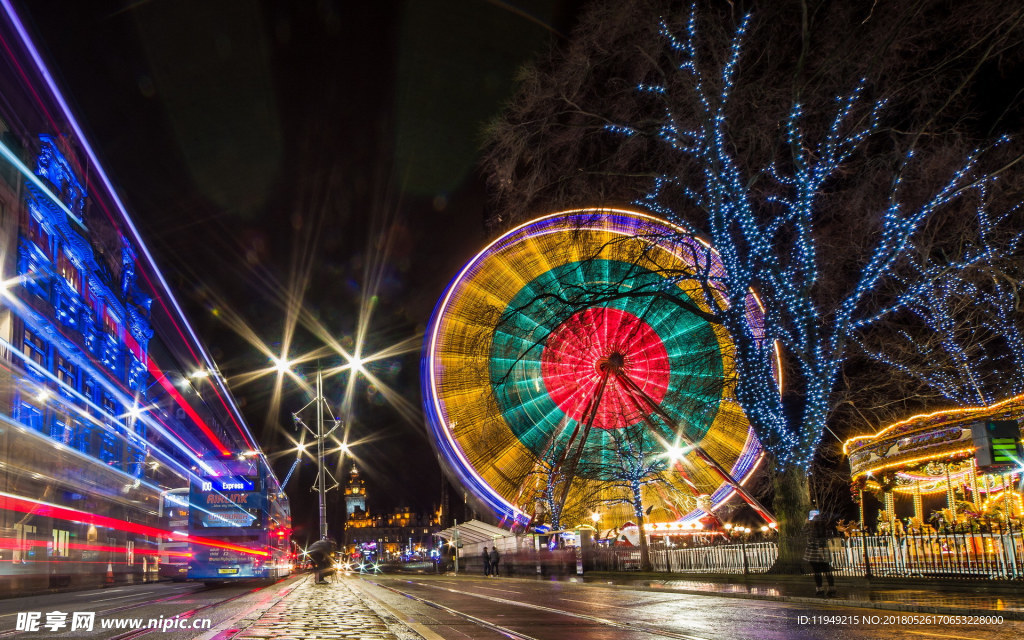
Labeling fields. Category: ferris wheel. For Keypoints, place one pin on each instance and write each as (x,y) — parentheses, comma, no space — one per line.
(575,366)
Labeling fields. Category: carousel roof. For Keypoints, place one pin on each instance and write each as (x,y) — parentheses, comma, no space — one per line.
(923,438)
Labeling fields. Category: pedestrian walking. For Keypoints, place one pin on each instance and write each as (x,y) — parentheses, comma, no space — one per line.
(495,559)
(487,563)
(816,554)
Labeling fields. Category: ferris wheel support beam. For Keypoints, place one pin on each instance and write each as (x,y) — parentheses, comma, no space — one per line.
(654,427)
(574,460)
(724,475)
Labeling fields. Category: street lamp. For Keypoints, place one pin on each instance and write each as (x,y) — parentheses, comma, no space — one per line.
(320,435)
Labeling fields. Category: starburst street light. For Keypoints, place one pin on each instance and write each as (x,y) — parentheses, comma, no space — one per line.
(282,365)
(355,363)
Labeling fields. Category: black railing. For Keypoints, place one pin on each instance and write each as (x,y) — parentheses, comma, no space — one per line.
(991,552)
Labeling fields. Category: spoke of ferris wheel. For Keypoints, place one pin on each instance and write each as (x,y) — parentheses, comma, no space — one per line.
(678,465)
(574,460)
(572,437)
(697,450)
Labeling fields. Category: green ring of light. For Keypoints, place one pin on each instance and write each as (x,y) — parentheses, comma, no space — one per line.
(529,411)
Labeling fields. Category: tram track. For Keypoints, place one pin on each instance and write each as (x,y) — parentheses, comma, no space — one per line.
(516,635)
(192,613)
(127,608)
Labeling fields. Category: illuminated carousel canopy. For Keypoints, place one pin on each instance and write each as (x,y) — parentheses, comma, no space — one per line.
(911,448)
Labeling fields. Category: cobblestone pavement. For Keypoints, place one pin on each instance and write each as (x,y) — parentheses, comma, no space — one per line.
(329,611)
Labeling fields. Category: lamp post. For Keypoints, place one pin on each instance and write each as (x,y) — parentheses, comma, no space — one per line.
(456,545)
(320,435)
(743,546)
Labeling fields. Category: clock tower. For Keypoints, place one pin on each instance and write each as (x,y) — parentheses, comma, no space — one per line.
(355,494)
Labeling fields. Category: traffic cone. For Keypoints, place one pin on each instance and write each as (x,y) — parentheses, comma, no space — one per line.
(110,573)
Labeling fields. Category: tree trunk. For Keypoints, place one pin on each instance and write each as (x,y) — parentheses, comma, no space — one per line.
(791,503)
(638,510)
(645,552)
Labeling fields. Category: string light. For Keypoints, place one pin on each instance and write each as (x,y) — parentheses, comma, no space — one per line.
(745,235)
(948,455)
(948,416)
(979,352)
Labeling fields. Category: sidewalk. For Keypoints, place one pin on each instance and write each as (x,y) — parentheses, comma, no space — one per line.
(331,611)
(1006,599)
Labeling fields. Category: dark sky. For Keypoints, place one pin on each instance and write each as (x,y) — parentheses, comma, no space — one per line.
(332,143)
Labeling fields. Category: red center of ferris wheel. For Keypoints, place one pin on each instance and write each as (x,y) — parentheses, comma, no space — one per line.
(589,343)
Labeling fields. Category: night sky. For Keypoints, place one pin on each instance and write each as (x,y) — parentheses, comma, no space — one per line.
(329,148)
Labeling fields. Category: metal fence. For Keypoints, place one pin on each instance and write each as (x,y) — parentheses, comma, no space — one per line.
(959,552)
(991,553)
(753,557)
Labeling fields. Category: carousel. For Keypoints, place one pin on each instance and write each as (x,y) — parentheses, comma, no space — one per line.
(924,471)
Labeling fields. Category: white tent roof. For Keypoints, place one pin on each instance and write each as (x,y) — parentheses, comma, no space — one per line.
(474,531)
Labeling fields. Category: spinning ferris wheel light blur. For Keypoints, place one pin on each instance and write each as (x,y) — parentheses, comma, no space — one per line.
(569,331)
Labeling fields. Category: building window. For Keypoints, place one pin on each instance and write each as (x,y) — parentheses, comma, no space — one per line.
(109,407)
(67,309)
(35,349)
(109,354)
(38,234)
(30,415)
(60,430)
(136,374)
(67,269)
(111,324)
(96,304)
(66,371)
(109,448)
(80,436)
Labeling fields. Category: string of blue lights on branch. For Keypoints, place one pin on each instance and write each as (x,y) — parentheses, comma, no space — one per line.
(772,243)
(963,334)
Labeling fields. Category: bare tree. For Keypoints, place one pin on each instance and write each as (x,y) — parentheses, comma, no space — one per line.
(611,442)
(961,334)
(780,158)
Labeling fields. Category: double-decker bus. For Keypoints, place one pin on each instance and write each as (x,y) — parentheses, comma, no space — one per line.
(245,510)
(174,553)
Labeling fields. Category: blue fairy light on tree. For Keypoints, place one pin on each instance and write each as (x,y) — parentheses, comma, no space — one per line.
(768,241)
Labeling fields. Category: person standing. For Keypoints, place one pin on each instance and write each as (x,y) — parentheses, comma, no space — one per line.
(495,559)
(816,554)
(487,563)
